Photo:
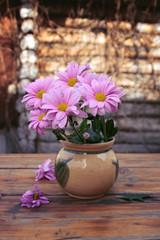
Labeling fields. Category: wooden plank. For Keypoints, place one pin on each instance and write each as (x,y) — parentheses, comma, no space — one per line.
(147,179)
(2,141)
(83,22)
(130,80)
(49,147)
(88,207)
(72,221)
(75,35)
(31,161)
(139,157)
(85,49)
(138,137)
(92,204)
(12,175)
(141,123)
(69,218)
(134,147)
(142,46)
(139,109)
(69,35)
(59,63)
(148,28)
(145,81)
(132,176)
(138,163)
(124,65)
(143,40)
(17,161)
(135,90)
(142,52)
(94,23)
(72,50)
(141,94)
(139,66)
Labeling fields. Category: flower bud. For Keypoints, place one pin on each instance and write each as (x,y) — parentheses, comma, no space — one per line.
(86,135)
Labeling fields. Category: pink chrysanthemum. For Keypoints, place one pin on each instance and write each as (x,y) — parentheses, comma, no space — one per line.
(101,97)
(36,90)
(39,121)
(69,77)
(93,76)
(45,171)
(33,198)
(61,104)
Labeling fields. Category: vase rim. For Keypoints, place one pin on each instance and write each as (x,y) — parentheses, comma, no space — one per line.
(89,147)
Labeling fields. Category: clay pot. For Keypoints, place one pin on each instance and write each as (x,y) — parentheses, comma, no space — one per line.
(86,170)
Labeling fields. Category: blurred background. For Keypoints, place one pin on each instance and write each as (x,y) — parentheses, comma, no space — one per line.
(120,38)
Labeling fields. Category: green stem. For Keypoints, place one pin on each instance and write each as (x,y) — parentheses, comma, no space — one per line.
(64,134)
(72,125)
(104,129)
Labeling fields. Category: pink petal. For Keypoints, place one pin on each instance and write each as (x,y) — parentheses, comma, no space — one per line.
(93,103)
(46,164)
(74,100)
(60,115)
(85,104)
(82,114)
(101,111)
(94,111)
(63,122)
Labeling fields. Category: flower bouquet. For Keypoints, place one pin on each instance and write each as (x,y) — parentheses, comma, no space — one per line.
(81,99)
(78,107)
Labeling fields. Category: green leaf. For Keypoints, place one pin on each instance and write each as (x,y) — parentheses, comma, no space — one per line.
(96,126)
(62,173)
(135,197)
(110,129)
(114,131)
(90,116)
(83,125)
(94,136)
(76,139)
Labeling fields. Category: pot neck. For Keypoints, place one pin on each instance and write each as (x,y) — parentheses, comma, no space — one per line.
(92,148)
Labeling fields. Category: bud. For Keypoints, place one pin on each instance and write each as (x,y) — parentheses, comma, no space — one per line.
(86,135)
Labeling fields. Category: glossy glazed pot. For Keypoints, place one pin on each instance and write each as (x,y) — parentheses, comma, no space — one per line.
(86,170)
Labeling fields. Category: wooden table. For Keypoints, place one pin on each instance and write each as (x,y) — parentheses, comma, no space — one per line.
(109,217)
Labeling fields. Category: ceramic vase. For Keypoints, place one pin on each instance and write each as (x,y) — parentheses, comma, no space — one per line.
(86,171)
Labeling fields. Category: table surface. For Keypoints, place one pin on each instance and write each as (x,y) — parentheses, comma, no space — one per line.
(109,217)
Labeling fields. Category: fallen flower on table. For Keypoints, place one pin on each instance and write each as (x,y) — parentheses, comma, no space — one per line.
(33,198)
(45,171)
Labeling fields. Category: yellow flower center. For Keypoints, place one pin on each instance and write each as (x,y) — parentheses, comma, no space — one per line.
(72,81)
(36,196)
(100,97)
(62,107)
(41,116)
(40,94)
